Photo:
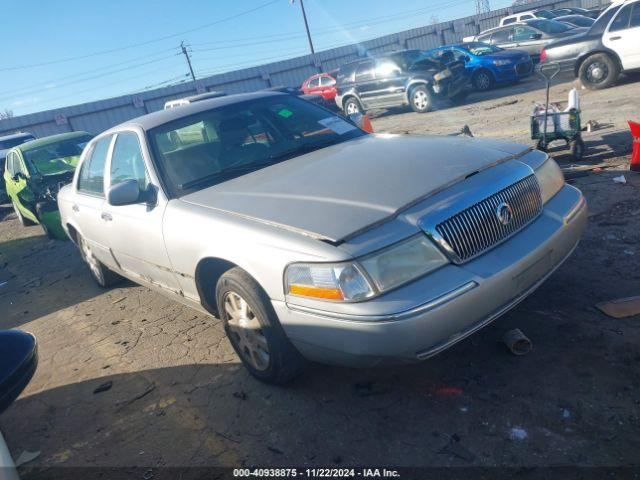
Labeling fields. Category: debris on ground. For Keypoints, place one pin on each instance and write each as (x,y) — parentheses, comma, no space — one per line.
(104,387)
(620,308)
(119,300)
(150,388)
(275,450)
(591,126)
(566,413)
(240,395)
(518,433)
(517,342)
(502,104)
(620,179)
(26,457)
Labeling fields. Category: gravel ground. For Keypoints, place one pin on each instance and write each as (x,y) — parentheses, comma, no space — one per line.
(176,394)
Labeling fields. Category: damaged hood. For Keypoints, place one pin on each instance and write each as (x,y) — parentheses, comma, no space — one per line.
(336,191)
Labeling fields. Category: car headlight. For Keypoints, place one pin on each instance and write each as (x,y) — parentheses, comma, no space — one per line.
(368,276)
(550,179)
(502,63)
(446,73)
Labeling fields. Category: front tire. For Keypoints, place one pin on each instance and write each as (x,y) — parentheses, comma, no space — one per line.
(254,330)
(598,71)
(352,106)
(25,222)
(420,99)
(104,277)
(482,81)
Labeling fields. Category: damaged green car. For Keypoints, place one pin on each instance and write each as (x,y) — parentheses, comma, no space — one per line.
(34,173)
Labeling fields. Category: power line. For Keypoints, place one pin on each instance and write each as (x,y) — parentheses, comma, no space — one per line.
(140,44)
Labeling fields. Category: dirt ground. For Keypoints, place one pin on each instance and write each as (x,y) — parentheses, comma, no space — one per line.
(176,394)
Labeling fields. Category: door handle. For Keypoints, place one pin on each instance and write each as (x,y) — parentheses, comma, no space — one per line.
(106,216)
(75,208)
(614,38)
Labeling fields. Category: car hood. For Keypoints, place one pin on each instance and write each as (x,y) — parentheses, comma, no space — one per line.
(337,191)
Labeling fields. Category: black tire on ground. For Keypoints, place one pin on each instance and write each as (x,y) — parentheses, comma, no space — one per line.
(598,71)
(104,277)
(577,148)
(420,99)
(352,105)
(482,81)
(283,362)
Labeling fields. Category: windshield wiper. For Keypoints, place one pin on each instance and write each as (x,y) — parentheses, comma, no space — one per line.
(221,174)
(302,149)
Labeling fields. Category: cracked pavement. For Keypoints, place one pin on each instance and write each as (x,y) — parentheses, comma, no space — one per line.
(180,397)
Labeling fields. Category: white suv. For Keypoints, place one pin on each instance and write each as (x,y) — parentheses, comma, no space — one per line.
(528,15)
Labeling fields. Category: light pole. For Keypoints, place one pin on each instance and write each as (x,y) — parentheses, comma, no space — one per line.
(306,26)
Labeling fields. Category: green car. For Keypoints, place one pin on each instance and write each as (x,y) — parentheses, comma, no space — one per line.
(34,173)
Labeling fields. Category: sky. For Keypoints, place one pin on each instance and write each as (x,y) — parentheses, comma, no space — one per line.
(59,53)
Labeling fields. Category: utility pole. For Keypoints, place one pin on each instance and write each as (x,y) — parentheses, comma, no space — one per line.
(306,26)
(186,55)
(482,6)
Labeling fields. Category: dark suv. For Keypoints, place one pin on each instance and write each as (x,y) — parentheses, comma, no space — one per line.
(409,77)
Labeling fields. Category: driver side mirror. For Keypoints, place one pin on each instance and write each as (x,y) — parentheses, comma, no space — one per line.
(124,193)
(466,58)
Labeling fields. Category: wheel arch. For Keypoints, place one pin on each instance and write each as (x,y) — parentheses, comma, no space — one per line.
(614,56)
(207,274)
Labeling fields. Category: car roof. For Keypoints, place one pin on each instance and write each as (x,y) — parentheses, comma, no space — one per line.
(41,142)
(160,117)
(16,135)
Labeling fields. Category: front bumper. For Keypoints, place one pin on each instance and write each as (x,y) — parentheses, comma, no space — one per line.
(512,73)
(484,289)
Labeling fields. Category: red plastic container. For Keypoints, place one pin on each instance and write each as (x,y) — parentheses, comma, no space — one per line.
(635,156)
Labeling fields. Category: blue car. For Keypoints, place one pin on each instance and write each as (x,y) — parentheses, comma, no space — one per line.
(487,65)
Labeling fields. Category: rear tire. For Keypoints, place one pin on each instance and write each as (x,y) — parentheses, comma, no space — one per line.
(598,71)
(254,330)
(482,81)
(420,99)
(25,222)
(104,277)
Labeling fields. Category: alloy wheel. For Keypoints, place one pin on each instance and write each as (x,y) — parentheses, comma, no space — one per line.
(246,331)
(352,108)
(482,82)
(597,72)
(421,99)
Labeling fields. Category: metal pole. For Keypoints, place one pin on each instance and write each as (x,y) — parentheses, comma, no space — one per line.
(306,26)
(186,54)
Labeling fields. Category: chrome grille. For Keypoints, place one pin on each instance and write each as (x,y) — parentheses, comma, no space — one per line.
(478,228)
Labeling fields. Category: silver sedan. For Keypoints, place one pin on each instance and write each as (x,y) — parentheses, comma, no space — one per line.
(314,240)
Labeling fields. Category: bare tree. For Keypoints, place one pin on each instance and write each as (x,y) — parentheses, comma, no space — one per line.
(6,113)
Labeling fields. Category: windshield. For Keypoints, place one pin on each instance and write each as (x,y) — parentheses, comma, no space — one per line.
(56,157)
(549,26)
(218,145)
(577,20)
(12,142)
(479,49)
(545,14)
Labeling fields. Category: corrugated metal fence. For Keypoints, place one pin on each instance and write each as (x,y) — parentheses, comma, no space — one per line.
(97,116)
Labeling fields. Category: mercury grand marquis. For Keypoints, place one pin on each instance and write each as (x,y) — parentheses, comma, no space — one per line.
(313,240)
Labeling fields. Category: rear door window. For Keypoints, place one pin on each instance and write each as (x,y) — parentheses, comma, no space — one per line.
(635,16)
(364,72)
(327,81)
(91,179)
(621,22)
(314,83)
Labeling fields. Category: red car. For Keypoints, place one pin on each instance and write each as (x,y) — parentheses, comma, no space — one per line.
(322,84)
